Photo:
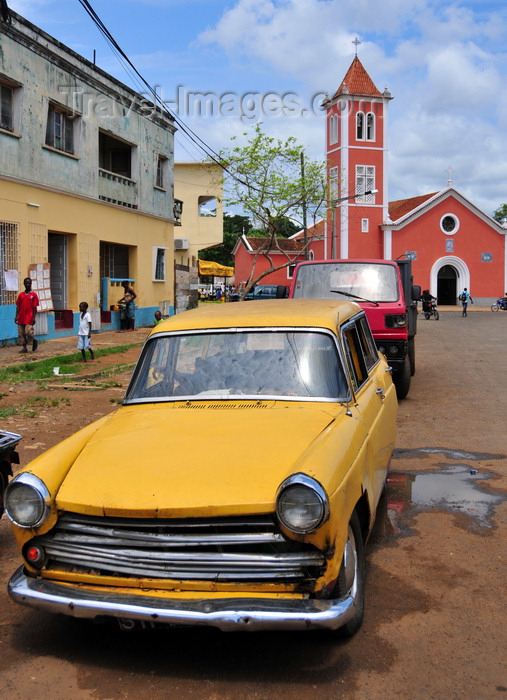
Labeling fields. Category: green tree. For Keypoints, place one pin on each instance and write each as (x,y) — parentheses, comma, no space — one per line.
(500,213)
(234,227)
(266,179)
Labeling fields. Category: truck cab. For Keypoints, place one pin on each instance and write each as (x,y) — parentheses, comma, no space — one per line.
(384,289)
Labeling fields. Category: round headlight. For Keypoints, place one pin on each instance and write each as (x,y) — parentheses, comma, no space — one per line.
(25,501)
(302,504)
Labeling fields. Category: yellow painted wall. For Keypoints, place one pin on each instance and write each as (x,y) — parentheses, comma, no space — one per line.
(87,222)
(192,180)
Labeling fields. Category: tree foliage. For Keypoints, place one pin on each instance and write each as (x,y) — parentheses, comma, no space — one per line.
(500,213)
(265,178)
(234,227)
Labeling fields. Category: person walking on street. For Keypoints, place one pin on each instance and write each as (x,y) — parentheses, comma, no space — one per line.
(85,331)
(26,310)
(465,297)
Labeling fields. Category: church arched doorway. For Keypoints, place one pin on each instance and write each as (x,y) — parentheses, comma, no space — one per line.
(447,281)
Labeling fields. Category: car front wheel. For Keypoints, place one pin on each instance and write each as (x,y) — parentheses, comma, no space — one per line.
(351,577)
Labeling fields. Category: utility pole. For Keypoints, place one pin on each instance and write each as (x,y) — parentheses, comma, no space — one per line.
(305,230)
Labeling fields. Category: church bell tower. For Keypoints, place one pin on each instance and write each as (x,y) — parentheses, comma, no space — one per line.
(356,144)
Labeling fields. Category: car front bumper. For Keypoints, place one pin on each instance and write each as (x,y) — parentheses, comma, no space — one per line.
(227,614)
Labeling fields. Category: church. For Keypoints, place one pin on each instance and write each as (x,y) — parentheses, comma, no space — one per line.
(451,242)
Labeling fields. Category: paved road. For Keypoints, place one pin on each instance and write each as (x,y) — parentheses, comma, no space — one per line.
(435,612)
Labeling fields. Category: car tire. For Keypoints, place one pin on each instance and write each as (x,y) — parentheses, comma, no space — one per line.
(351,579)
(402,380)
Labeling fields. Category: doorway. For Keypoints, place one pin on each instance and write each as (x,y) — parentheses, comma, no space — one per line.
(447,286)
(57,256)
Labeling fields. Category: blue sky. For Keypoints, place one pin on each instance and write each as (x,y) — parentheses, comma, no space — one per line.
(444,63)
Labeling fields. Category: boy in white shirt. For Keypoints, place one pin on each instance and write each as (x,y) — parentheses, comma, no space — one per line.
(85,331)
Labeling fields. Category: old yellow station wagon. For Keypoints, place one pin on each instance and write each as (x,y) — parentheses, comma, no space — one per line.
(235,486)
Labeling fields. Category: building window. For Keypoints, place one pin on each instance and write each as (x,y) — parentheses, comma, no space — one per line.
(365,181)
(159,264)
(449,224)
(6,107)
(60,129)
(333,129)
(370,126)
(161,174)
(9,259)
(114,261)
(333,185)
(360,126)
(207,206)
(364,225)
(115,155)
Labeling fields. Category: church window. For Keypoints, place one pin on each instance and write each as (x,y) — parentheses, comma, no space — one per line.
(449,224)
(365,182)
(370,126)
(333,184)
(333,129)
(360,126)
(364,225)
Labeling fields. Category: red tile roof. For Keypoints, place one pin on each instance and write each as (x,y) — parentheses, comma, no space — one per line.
(287,245)
(358,82)
(314,231)
(402,207)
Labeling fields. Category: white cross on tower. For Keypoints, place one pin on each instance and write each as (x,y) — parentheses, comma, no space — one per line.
(449,172)
(356,43)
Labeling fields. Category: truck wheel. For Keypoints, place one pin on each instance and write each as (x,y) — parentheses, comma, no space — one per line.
(351,577)
(411,355)
(402,380)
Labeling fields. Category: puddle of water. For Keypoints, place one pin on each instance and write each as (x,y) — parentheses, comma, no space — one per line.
(455,488)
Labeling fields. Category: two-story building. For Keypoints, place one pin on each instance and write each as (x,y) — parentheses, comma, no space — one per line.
(86,187)
(198,186)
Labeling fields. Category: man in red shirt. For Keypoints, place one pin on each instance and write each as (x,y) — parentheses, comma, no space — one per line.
(26,309)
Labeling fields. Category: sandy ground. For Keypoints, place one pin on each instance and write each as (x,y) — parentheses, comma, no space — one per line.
(435,623)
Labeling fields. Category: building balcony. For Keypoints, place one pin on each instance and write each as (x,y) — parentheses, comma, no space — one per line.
(117,189)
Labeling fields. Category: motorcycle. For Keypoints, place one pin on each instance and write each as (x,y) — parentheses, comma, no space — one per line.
(430,309)
(500,304)
(8,457)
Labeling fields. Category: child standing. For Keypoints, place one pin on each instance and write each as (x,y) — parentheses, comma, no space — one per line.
(158,318)
(85,331)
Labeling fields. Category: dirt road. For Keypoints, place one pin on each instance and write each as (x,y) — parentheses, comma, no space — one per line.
(435,624)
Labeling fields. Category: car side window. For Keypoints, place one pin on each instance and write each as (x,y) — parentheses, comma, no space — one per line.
(356,353)
(367,343)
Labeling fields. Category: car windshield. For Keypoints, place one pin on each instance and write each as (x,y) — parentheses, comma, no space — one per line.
(244,363)
(367,281)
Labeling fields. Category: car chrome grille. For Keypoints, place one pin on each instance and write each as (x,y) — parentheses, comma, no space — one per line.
(249,549)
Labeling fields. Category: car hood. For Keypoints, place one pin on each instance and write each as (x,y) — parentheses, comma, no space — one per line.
(191,459)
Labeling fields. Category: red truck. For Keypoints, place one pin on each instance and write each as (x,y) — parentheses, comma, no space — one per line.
(385,290)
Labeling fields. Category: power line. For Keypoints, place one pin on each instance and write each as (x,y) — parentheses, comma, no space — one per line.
(200,143)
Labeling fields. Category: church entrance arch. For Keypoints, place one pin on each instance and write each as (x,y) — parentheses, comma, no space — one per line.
(448,277)
(447,285)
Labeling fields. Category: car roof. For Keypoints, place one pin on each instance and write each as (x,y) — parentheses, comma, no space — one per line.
(276,312)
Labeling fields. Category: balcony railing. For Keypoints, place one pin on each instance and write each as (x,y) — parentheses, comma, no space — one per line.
(117,189)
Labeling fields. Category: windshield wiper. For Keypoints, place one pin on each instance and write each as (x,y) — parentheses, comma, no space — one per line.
(353,296)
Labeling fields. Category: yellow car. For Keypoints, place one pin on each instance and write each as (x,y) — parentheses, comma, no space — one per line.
(234,487)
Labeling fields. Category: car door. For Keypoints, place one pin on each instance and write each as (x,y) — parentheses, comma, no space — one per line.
(374,398)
